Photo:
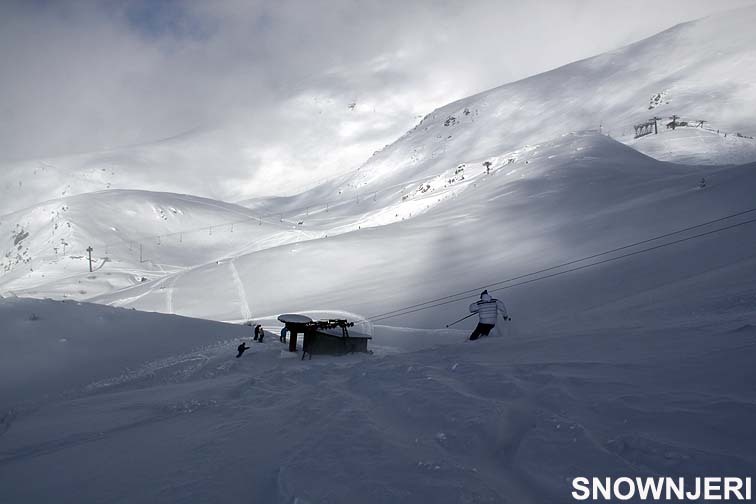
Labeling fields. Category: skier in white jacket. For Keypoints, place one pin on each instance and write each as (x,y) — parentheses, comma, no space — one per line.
(487,309)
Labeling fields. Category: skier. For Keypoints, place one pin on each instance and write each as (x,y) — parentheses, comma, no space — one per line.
(257,333)
(282,339)
(241,349)
(487,309)
(260,333)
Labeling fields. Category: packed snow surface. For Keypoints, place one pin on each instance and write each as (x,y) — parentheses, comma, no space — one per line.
(159,410)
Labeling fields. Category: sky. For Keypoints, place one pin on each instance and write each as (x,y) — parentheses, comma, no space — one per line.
(309,84)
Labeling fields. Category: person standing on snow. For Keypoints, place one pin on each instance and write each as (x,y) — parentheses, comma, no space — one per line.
(487,309)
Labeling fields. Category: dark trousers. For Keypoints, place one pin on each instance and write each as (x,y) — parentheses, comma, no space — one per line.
(481,329)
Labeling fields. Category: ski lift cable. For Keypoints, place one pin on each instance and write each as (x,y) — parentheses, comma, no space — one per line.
(575,261)
(456,297)
(194,230)
(265,216)
(294,211)
(407,311)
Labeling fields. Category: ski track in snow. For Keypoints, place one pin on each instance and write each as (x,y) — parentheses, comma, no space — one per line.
(165,285)
(171,284)
(126,301)
(474,422)
(246,312)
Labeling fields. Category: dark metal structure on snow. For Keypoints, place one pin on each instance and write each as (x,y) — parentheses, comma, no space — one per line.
(331,337)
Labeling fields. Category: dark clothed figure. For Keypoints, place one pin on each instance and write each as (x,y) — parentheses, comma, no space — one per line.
(481,330)
(241,349)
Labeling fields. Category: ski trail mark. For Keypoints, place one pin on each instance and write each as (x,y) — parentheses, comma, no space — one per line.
(246,312)
(170,284)
(6,420)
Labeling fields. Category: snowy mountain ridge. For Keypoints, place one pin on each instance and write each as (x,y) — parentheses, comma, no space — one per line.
(136,235)
(610,92)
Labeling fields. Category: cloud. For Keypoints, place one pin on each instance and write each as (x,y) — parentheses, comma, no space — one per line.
(280,76)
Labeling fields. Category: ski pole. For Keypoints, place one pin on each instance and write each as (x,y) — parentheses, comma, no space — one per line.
(460,320)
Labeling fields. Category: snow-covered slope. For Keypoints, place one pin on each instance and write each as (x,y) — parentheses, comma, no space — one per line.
(562,200)
(701,70)
(155,408)
(177,165)
(135,235)
(217,163)
(634,365)
(54,348)
(679,71)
